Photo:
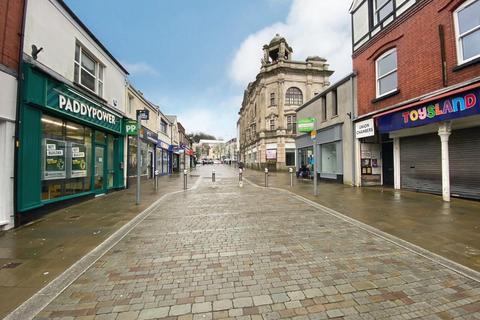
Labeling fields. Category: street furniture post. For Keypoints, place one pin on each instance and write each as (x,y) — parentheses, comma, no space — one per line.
(266,177)
(156,180)
(291,176)
(138,158)
(185,179)
(213,175)
(240,174)
(315,166)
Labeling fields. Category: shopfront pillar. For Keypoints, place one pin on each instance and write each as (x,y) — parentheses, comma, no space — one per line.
(396,163)
(444,131)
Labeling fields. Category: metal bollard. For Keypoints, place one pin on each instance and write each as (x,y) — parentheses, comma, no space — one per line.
(291,176)
(213,175)
(156,179)
(266,177)
(185,179)
(240,174)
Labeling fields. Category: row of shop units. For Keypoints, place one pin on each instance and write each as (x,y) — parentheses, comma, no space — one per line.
(431,145)
(71,145)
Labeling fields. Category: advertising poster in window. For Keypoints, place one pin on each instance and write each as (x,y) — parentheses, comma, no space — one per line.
(271,154)
(79,160)
(54,166)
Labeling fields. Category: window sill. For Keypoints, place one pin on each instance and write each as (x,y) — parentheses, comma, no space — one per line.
(89,92)
(466,64)
(389,95)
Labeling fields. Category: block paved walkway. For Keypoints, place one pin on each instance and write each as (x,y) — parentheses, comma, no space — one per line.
(451,230)
(221,251)
(33,255)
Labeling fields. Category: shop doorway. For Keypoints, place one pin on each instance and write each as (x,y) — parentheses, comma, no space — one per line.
(387,164)
(99,177)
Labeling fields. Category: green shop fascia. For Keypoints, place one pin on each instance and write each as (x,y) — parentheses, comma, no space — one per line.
(69,143)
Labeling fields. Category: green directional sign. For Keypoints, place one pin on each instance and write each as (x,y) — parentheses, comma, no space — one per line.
(306,124)
(131,127)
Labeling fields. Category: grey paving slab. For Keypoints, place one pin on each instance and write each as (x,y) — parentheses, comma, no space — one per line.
(273,254)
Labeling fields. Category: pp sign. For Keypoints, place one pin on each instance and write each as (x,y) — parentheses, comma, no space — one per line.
(131,128)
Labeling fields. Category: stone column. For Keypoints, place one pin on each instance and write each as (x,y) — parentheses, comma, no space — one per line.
(396,163)
(444,131)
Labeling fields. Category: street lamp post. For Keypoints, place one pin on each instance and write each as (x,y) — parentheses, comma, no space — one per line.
(141,115)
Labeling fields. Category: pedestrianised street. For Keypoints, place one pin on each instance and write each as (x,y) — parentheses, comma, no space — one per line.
(221,250)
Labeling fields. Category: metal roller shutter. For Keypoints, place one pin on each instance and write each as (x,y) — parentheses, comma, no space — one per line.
(464,152)
(421,163)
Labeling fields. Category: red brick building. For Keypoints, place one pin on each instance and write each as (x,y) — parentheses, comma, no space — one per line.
(418,75)
(11,24)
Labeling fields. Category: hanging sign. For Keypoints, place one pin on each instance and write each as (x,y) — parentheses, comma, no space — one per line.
(143,114)
(79,161)
(54,160)
(131,127)
(306,124)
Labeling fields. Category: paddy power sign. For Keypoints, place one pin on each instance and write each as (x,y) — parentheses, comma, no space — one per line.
(67,101)
(453,107)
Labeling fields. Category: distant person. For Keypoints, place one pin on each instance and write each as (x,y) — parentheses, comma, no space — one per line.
(241,166)
(303,172)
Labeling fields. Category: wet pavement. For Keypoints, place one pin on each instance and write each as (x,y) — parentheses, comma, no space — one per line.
(223,251)
(35,254)
(451,230)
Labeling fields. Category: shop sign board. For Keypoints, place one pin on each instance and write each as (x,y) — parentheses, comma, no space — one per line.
(67,101)
(271,154)
(79,160)
(149,135)
(313,134)
(453,107)
(54,160)
(143,114)
(364,129)
(131,127)
(306,124)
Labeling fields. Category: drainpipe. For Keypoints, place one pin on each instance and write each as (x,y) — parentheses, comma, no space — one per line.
(352,117)
(16,217)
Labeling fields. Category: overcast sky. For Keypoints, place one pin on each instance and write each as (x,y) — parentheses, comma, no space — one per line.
(194,58)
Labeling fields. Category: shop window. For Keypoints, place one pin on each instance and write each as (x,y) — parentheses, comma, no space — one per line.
(88,72)
(100,137)
(467,23)
(382,9)
(386,73)
(294,97)
(66,158)
(290,157)
(329,158)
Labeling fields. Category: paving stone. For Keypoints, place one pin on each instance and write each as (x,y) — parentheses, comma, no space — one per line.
(296,295)
(262,300)
(242,302)
(180,309)
(222,305)
(154,313)
(202,307)
(313,293)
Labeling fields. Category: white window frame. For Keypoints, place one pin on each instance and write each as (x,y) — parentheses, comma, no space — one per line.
(99,70)
(377,78)
(376,10)
(458,36)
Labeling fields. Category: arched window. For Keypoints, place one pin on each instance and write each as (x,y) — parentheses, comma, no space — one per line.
(294,96)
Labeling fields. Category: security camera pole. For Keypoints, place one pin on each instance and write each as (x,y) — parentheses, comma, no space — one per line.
(141,115)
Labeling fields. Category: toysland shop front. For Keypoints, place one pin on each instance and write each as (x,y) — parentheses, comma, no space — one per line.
(437,143)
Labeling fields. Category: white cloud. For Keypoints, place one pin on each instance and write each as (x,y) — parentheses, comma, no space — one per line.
(313,27)
(140,68)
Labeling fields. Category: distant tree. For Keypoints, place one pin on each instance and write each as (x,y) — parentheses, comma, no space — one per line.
(197,136)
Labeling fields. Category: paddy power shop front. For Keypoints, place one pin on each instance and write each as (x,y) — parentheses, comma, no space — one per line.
(70,145)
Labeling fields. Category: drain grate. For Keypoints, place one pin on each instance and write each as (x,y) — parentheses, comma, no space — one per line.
(11,265)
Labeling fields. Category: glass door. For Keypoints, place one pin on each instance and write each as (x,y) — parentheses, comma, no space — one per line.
(99,181)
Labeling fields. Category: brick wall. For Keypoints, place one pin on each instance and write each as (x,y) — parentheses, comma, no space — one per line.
(418,56)
(11,15)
